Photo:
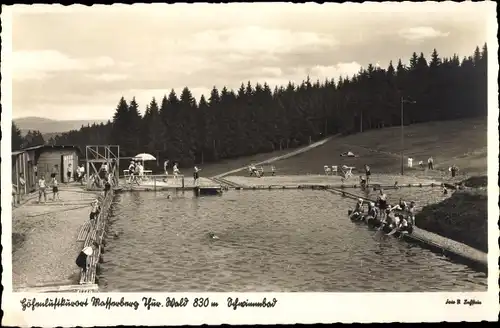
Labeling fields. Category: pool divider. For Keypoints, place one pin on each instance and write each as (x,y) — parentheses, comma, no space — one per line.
(232,185)
(454,250)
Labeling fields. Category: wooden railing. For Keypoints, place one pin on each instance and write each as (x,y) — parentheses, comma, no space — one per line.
(95,234)
(156,180)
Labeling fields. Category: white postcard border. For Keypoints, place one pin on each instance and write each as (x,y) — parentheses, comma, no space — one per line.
(290,307)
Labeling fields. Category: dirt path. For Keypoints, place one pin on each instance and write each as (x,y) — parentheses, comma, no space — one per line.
(281,157)
(44,238)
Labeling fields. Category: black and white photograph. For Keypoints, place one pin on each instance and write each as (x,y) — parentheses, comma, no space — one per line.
(233,162)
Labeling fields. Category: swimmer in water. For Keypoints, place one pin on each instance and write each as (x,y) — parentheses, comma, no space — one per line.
(213,236)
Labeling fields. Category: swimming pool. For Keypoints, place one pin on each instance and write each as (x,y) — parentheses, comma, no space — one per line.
(279,240)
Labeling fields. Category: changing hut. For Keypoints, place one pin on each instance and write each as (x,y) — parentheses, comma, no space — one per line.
(50,159)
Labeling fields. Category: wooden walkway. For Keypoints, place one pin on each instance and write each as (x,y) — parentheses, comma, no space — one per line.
(90,233)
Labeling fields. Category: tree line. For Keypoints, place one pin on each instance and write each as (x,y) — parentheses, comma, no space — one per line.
(32,138)
(255,118)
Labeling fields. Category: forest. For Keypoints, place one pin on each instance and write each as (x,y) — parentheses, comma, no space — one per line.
(257,118)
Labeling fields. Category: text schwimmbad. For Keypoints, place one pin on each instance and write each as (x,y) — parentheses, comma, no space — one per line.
(147,302)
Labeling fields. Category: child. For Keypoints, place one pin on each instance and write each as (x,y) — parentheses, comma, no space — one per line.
(81,260)
(94,212)
(55,189)
(42,189)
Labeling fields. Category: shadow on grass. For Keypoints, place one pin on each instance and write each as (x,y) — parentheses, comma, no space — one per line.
(462,217)
(476,182)
(17,240)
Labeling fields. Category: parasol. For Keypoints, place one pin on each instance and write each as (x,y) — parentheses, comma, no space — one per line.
(145,157)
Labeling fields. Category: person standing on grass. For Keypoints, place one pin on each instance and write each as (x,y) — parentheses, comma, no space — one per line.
(42,186)
(430,163)
(55,189)
(367,174)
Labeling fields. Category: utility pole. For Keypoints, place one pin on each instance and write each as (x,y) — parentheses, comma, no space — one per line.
(402,136)
(402,132)
(361,121)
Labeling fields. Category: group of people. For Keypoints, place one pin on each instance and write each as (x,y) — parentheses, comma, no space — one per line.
(400,217)
(42,188)
(136,172)
(176,172)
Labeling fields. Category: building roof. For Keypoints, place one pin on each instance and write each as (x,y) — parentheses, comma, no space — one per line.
(52,147)
(59,147)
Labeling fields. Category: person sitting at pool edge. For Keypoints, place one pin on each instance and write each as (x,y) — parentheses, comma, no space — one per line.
(401,206)
(358,209)
(372,210)
(362,182)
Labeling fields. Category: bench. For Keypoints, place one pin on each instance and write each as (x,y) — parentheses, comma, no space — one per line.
(84,231)
(347,171)
(332,170)
(259,171)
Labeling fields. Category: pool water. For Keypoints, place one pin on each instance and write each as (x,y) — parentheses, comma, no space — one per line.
(278,240)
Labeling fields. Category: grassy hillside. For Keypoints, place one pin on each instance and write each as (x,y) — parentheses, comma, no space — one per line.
(462,217)
(461,142)
(48,126)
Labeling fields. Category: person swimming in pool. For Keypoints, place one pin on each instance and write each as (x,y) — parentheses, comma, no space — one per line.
(212,235)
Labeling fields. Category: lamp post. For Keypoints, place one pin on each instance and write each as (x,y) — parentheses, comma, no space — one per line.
(402,131)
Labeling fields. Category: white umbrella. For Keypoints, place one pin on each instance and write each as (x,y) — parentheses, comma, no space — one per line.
(145,157)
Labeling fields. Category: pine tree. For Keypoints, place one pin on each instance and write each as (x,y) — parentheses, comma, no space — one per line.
(435,60)
(256,119)
(120,123)
(16,137)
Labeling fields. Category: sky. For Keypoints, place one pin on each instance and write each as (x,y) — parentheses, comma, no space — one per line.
(76,62)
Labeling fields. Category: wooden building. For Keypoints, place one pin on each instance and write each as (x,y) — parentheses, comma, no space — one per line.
(47,159)
(20,165)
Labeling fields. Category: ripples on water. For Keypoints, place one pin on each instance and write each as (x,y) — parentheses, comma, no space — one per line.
(281,241)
